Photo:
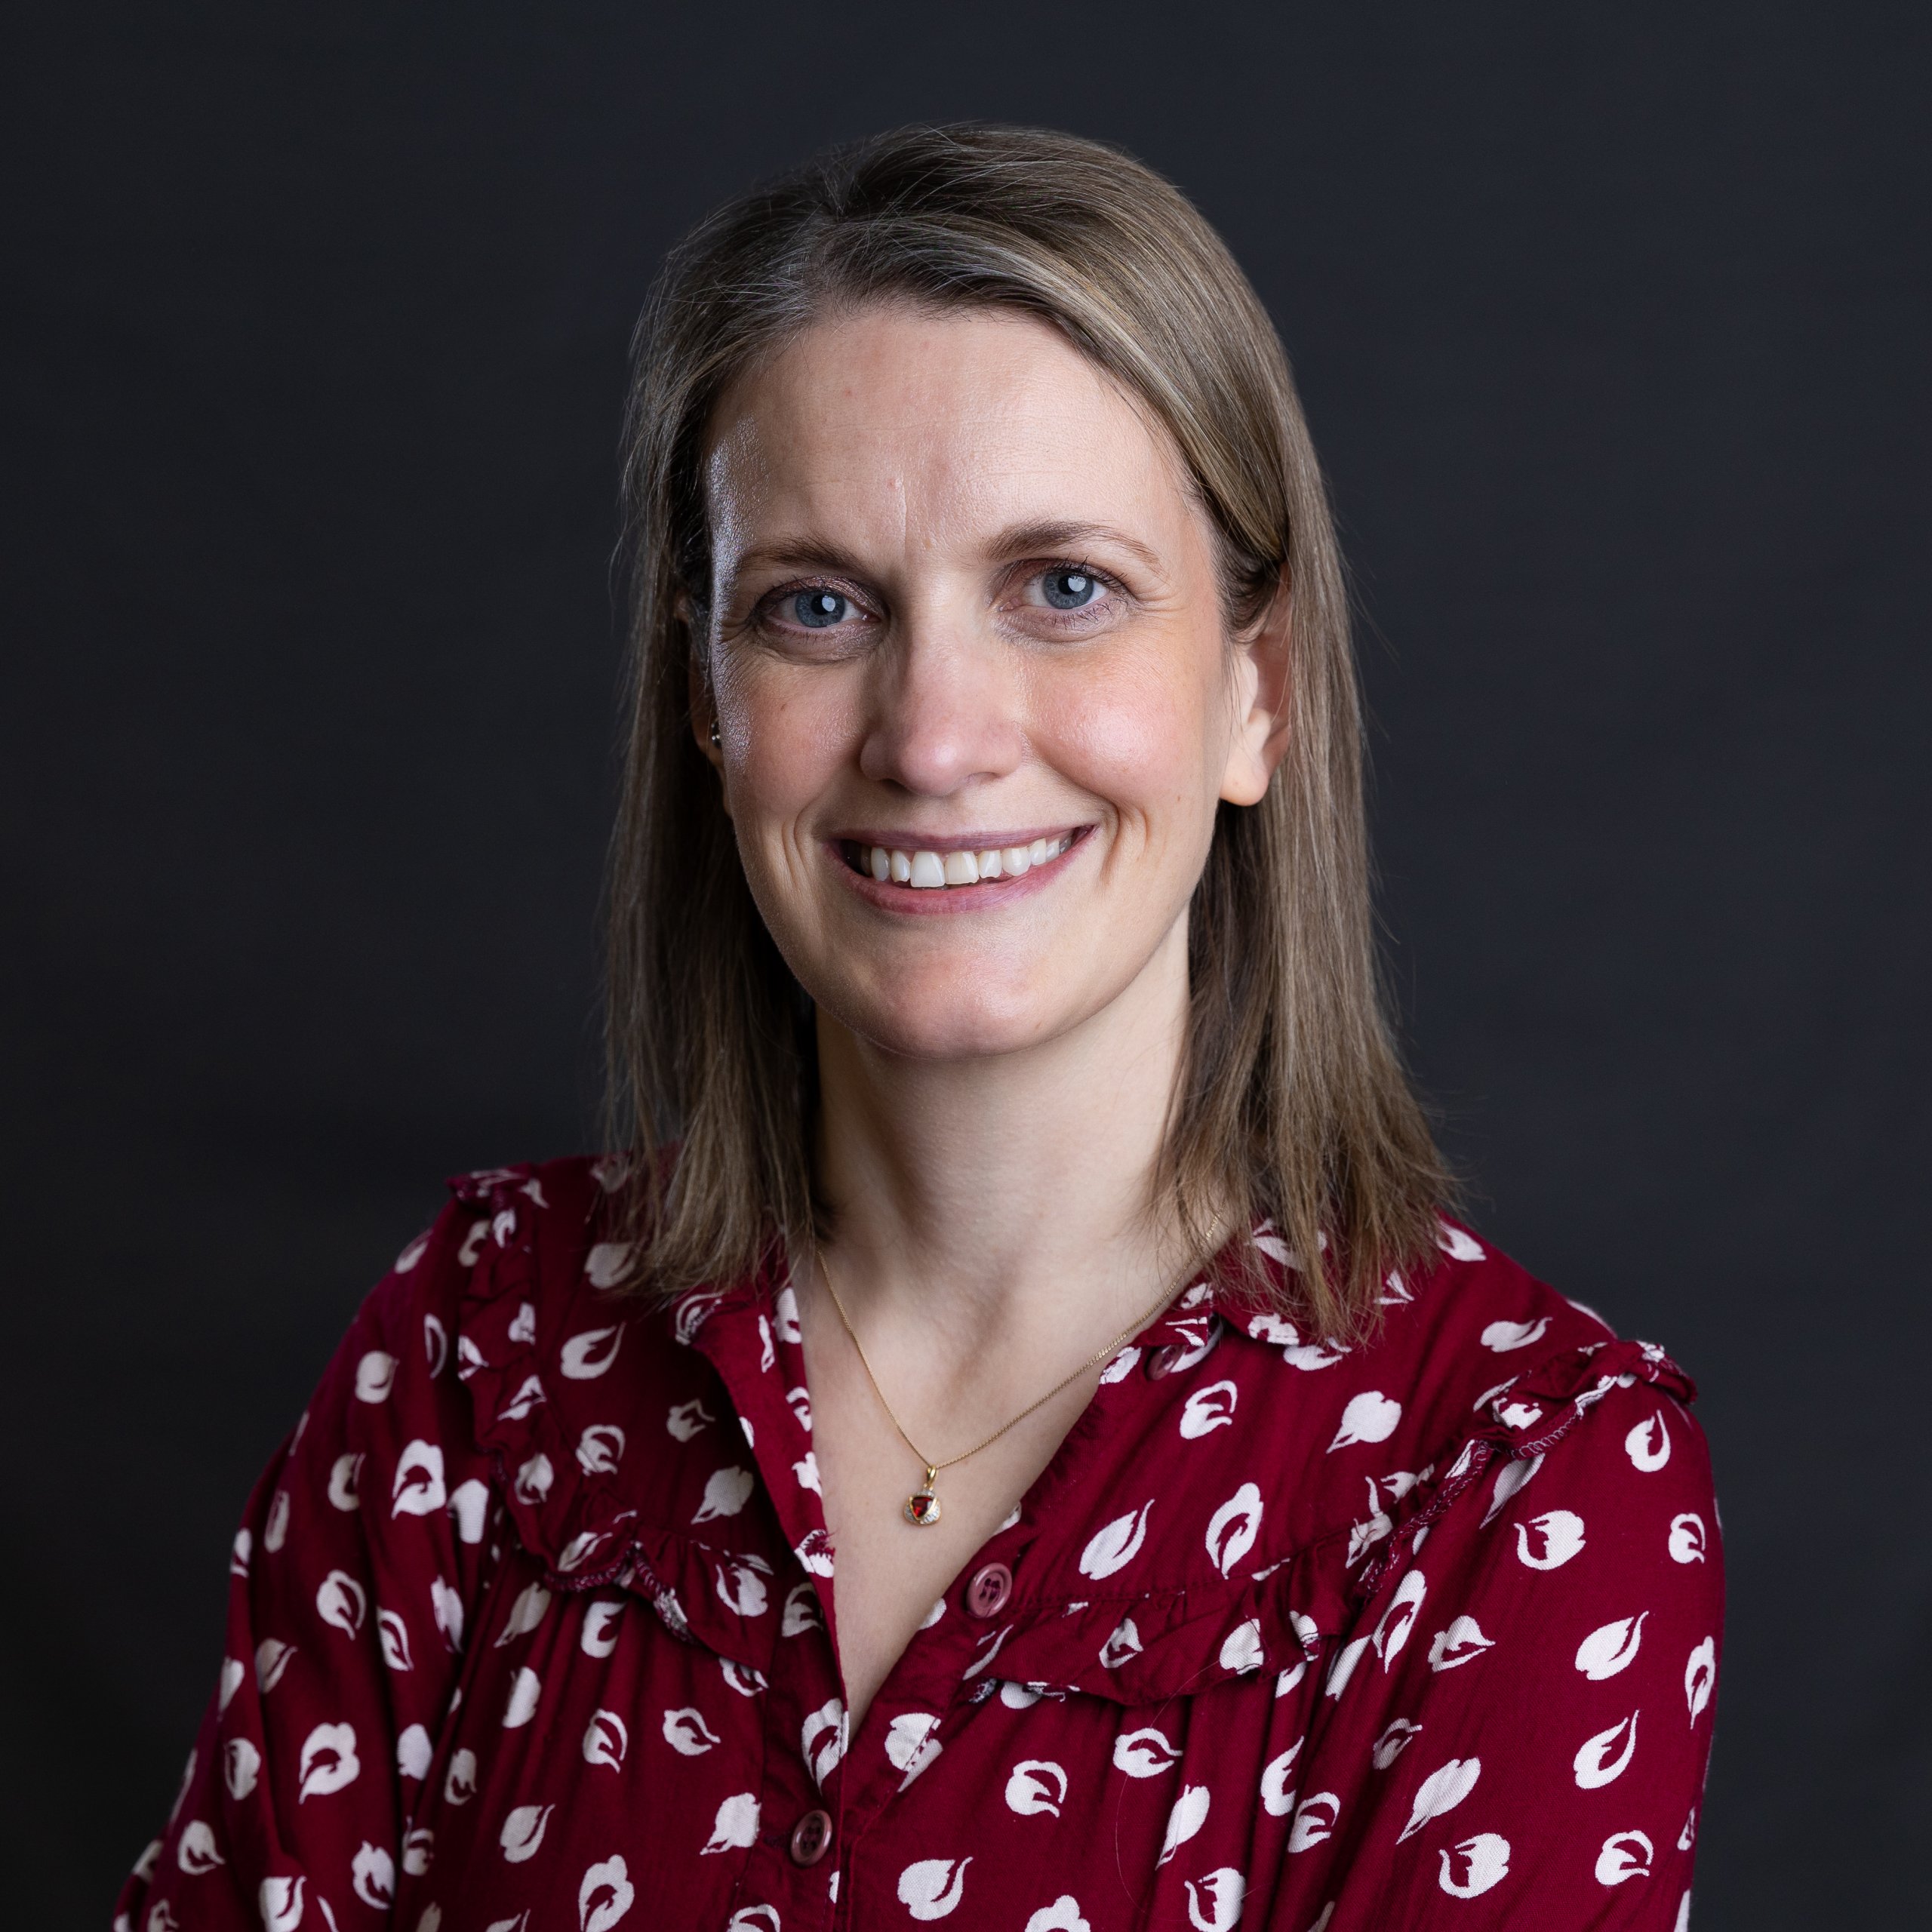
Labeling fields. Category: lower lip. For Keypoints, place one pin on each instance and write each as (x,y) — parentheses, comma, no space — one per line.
(891,897)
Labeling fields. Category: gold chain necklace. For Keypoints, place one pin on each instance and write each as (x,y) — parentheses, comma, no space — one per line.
(922,1507)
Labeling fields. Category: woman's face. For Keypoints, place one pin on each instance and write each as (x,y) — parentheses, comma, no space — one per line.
(972,678)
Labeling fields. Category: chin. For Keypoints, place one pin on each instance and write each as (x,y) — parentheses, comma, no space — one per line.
(949,1022)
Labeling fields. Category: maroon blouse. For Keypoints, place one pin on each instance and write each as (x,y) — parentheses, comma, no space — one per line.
(530,1627)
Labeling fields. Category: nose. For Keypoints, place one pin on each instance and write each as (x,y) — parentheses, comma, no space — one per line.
(945,711)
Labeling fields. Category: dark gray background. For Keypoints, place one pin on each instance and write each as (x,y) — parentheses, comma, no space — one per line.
(1612,326)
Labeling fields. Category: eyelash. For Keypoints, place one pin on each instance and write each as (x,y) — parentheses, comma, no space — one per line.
(768,605)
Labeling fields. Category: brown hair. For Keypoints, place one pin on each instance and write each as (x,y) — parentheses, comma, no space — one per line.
(1291,1104)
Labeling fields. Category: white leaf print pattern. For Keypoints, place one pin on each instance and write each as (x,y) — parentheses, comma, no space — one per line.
(1184,1820)
(599,1638)
(933,1887)
(1603,1758)
(1036,1786)
(606,1739)
(1277,1792)
(740,1587)
(525,1689)
(469,1504)
(1442,1791)
(586,1356)
(1343,1667)
(1394,1739)
(375,1376)
(534,1479)
(241,1767)
(1240,1649)
(1686,1542)
(413,1751)
(1483,1863)
(599,1448)
(1503,1337)
(328,1761)
(1115,1547)
(686,1419)
(1700,1677)
(1233,1528)
(800,1612)
(372,1875)
(195,1853)
(1124,1643)
(1625,1855)
(532,1600)
(1145,1753)
(1648,1444)
(273,1657)
(736,1825)
(341,1603)
(460,1784)
(344,1474)
(725,1494)
(1454,1242)
(1315,1820)
(1371,1416)
(687,1733)
(606,1263)
(1062,1915)
(605,1896)
(446,1606)
(418,1488)
(1207,1409)
(1391,1633)
(821,1743)
(1514,1475)
(1549,1541)
(1461,1641)
(279,1901)
(1611,1647)
(396,1640)
(1214,1902)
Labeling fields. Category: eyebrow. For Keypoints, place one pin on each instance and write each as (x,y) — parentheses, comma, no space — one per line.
(1024,540)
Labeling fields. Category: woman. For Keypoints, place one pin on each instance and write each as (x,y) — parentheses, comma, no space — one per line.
(1015,1437)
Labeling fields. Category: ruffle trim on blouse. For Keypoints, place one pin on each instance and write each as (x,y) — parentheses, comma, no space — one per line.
(567,1513)
(1135,1648)
(1285,1617)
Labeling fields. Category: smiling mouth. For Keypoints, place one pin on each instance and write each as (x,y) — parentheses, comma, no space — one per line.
(925,869)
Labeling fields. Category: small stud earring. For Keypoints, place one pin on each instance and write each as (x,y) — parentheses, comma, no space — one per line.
(716,739)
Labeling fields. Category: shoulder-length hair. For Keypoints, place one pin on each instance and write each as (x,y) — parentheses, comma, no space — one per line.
(1291,1105)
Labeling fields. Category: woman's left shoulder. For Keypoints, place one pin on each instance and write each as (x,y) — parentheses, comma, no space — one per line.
(1473,1344)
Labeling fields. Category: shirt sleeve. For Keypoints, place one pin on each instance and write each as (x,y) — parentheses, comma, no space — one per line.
(1545,1668)
(352,1581)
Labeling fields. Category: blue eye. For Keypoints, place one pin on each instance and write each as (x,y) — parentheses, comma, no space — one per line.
(817,610)
(1070,590)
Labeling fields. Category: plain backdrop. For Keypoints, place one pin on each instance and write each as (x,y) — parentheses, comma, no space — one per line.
(1612,324)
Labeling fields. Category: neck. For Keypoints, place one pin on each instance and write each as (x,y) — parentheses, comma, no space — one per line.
(1007,1197)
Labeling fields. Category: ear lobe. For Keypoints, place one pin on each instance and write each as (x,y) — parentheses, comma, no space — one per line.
(702,705)
(1264,665)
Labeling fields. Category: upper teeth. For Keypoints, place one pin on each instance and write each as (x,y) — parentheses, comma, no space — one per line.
(923,869)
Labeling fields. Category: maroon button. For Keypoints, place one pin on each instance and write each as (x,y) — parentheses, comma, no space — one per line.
(1161,1362)
(987,1593)
(810,1836)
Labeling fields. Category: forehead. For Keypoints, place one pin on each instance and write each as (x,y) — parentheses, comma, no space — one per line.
(892,419)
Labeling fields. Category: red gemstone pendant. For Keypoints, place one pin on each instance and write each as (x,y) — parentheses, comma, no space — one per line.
(922,1506)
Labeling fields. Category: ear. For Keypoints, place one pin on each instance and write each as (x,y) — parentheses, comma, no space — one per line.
(1263,665)
(702,703)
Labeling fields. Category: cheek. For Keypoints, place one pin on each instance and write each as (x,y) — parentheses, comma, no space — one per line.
(785,738)
(1138,734)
